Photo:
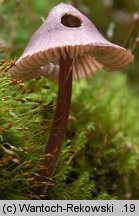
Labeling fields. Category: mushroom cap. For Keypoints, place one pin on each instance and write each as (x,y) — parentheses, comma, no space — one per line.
(67,31)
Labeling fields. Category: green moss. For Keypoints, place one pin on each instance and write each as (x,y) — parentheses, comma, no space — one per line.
(99,159)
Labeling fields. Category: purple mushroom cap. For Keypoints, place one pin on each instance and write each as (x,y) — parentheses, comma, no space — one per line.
(66,30)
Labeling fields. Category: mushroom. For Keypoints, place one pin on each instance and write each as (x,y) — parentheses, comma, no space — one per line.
(67,46)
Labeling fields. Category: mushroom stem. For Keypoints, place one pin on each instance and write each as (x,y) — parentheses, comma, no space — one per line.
(58,130)
(52,149)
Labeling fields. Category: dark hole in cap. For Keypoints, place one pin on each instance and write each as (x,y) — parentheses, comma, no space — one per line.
(71,21)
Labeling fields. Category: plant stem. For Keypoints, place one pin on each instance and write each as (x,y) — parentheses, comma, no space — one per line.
(53,147)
